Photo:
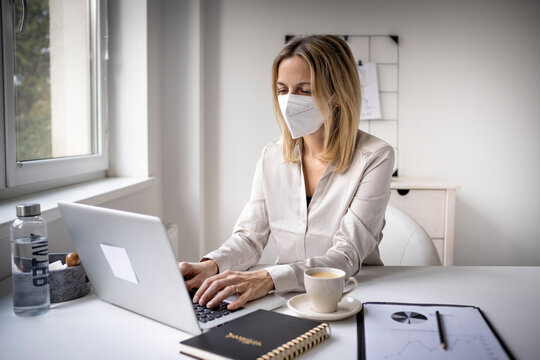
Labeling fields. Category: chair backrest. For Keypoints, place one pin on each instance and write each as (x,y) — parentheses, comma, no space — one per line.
(405,242)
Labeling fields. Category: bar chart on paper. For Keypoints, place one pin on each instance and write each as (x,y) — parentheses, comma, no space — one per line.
(406,331)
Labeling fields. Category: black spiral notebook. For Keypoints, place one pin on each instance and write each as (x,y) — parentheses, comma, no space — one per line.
(260,335)
(412,331)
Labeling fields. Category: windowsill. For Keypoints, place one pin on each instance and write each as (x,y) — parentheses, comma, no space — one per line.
(93,192)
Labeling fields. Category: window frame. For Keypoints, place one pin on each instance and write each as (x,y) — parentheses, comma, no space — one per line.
(36,175)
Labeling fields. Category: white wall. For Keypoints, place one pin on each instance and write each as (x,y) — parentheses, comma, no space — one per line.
(181,112)
(135,115)
(469,84)
(128,88)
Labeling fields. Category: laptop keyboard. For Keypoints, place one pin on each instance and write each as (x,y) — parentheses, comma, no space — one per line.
(205,314)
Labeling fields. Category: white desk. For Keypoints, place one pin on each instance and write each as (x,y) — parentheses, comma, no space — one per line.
(89,328)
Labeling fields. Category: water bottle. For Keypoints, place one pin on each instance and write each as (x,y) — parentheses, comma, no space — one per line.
(30,261)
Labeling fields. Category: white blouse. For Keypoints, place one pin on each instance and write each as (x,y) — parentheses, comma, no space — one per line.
(341,227)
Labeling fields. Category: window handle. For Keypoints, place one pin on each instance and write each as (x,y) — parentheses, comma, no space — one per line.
(24,14)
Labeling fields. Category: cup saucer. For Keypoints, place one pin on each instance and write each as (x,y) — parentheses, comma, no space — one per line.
(346,307)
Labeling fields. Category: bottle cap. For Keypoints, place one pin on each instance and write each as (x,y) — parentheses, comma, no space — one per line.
(28,210)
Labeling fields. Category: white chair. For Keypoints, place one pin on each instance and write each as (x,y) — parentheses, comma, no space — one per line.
(405,242)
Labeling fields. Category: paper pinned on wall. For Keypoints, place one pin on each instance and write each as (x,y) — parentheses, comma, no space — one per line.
(371,106)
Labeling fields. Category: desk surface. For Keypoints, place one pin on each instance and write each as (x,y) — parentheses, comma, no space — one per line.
(89,328)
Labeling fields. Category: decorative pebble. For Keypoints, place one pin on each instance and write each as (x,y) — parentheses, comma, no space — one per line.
(72,259)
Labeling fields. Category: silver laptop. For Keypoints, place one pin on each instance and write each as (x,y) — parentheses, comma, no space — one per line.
(130,263)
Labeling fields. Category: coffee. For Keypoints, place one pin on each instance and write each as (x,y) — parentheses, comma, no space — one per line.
(324,288)
(325,275)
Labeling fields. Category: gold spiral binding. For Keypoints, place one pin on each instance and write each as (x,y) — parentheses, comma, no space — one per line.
(297,346)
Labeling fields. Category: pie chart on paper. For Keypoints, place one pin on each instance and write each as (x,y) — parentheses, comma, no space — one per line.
(408,317)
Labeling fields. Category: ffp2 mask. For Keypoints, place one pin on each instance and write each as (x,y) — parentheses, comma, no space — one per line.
(301,114)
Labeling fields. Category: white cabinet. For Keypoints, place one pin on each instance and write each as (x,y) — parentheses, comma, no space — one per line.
(432,203)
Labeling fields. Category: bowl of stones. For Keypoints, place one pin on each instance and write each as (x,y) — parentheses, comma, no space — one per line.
(67,278)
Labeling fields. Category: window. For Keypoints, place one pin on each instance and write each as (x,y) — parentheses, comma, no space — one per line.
(54,91)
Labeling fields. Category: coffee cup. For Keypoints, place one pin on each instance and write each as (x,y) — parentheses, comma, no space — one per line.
(324,288)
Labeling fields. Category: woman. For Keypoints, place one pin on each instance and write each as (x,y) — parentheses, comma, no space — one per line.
(321,190)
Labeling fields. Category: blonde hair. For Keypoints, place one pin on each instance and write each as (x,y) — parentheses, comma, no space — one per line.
(335,87)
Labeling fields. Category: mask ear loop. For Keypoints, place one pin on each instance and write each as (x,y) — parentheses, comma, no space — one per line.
(330,106)
(335,104)
(328,102)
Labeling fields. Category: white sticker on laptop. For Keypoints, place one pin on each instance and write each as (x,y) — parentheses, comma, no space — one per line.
(118,260)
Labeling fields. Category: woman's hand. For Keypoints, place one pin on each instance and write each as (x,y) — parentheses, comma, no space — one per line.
(195,273)
(248,285)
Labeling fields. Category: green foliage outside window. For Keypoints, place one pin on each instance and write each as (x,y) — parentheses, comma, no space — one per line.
(32,83)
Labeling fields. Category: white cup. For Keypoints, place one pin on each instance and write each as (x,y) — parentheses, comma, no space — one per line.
(324,288)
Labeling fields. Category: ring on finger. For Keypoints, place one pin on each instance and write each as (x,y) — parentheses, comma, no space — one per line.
(235,289)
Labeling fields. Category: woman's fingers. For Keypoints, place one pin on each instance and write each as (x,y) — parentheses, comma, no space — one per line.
(190,275)
(194,282)
(243,298)
(195,273)
(202,289)
(222,295)
(213,285)
(247,285)
(257,286)
(186,269)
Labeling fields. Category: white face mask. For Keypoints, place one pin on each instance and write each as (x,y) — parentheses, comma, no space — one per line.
(301,114)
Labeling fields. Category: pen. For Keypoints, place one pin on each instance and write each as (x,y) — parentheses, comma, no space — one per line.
(439,327)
